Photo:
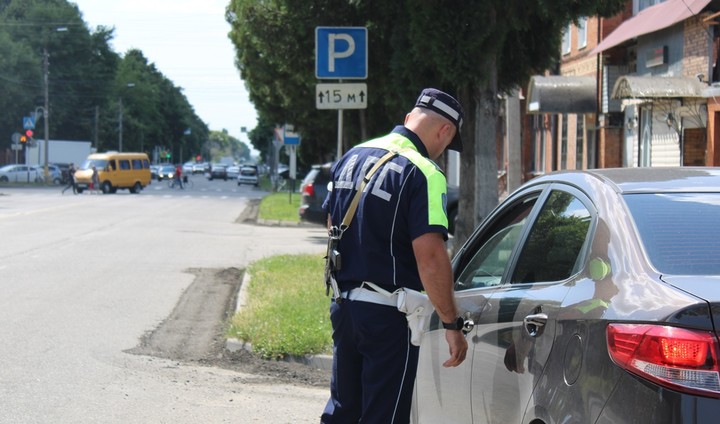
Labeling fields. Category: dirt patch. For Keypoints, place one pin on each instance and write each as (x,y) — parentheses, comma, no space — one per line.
(194,333)
(250,213)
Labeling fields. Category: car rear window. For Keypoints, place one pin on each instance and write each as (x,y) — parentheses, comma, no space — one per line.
(680,231)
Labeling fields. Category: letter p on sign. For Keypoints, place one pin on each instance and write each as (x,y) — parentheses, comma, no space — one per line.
(341,52)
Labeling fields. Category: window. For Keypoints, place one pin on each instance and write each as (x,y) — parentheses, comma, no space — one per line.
(644,4)
(137,164)
(566,40)
(552,251)
(124,164)
(582,32)
(679,231)
(490,254)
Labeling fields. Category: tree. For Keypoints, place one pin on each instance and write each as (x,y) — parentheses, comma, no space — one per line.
(475,50)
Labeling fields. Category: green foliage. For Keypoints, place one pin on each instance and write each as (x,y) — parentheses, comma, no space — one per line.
(286,311)
(461,47)
(87,83)
(221,144)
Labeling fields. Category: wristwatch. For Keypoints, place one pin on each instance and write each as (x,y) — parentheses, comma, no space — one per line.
(458,324)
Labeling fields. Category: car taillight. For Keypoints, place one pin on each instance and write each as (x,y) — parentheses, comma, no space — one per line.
(677,358)
(308,189)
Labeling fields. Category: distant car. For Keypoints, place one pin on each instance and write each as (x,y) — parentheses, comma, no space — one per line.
(166,172)
(218,172)
(313,190)
(154,171)
(233,171)
(19,174)
(593,297)
(453,194)
(64,172)
(187,167)
(54,173)
(248,175)
(200,168)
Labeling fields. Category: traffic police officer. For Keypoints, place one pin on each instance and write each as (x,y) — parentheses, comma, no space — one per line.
(395,239)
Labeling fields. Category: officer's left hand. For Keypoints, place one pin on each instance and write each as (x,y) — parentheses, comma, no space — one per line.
(458,348)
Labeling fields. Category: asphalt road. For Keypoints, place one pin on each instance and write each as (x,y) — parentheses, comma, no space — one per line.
(86,278)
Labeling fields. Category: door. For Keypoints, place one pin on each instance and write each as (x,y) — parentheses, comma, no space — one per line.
(516,332)
(447,395)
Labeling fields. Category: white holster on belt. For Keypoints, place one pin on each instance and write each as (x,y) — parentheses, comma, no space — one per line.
(415,305)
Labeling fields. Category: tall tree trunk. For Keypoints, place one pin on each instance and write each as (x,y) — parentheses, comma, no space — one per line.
(478,163)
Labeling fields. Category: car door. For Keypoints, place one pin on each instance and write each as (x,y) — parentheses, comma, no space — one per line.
(447,394)
(516,330)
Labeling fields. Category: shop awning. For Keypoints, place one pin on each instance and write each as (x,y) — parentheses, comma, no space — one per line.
(652,19)
(634,87)
(561,94)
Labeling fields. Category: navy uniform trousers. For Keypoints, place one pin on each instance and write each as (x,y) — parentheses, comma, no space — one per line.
(374,365)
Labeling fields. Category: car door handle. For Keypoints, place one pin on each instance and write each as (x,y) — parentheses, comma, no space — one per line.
(534,324)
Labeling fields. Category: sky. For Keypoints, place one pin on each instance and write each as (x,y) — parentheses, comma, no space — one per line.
(188,43)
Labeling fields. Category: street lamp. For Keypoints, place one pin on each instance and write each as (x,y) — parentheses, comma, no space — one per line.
(120,118)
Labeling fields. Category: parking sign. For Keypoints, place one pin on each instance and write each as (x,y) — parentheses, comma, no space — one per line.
(341,52)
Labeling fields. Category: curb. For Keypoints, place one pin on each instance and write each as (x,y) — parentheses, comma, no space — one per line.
(323,362)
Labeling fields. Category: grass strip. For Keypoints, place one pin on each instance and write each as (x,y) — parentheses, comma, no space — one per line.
(281,206)
(287,312)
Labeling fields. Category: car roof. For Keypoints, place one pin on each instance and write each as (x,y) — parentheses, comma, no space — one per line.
(644,180)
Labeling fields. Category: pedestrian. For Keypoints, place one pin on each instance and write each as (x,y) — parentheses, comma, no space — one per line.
(178,176)
(395,239)
(71,179)
(95,184)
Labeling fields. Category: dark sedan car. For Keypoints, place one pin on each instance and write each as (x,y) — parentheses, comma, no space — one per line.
(313,190)
(218,172)
(595,298)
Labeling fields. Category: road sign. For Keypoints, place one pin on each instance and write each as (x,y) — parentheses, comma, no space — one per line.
(15,138)
(341,53)
(28,123)
(290,136)
(341,96)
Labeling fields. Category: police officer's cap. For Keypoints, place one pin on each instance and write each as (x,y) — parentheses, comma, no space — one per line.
(447,106)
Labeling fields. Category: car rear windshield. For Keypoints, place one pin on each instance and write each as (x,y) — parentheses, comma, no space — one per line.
(680,231)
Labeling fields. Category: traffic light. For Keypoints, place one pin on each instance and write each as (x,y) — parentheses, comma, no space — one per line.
(23,139)
(29,133)
(168,155)
(198,158)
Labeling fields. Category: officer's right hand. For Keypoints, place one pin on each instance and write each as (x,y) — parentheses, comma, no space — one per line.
(458,348)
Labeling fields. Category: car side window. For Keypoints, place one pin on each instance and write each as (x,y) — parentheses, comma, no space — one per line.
(489,261)
(555,242)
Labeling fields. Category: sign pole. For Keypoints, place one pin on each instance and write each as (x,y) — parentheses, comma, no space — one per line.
(339,135)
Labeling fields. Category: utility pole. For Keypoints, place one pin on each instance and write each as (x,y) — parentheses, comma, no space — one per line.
(120,119)
(97,119)
(46,112)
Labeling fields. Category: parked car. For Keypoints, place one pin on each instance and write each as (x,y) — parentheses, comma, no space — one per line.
(592,295)
(248,175)
(19,174)
(453,196)
(166,172)
(218,172)
(313,190)
(64,171)
(54,173)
